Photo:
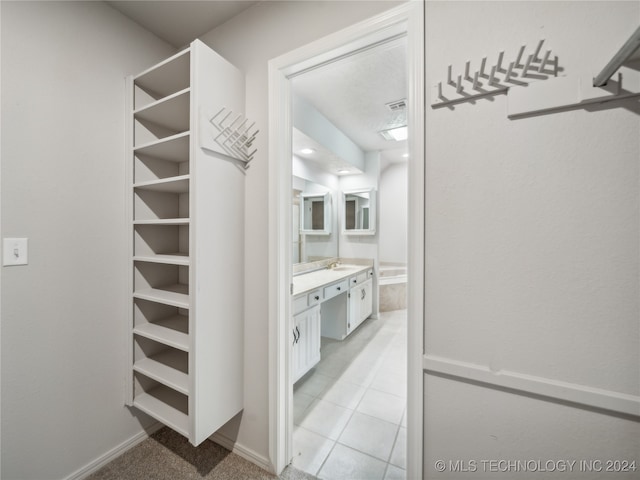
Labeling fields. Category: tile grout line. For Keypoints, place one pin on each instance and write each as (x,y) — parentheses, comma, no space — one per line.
(333,379)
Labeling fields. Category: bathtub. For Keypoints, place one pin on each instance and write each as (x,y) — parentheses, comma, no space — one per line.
(392,287)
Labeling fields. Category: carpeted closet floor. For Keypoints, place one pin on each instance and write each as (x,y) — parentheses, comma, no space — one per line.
(166,455)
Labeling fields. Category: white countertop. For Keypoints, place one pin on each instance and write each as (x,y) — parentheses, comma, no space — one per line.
(310,281)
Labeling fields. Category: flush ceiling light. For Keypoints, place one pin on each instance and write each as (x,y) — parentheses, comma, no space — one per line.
(344,170)
(397,133)
(307,151)
(405,155)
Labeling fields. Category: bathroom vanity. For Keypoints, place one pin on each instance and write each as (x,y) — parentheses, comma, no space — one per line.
(330,302)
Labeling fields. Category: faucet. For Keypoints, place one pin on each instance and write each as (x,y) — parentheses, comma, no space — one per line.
(333,265)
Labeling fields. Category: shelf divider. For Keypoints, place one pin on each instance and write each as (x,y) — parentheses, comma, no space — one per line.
(167,368)
(165,258)
(158,404)
(171,331)
(174,295)
(162,221)
(178,184)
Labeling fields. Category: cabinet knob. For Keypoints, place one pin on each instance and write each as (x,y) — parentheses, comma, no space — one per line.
(338,288)
(317,297)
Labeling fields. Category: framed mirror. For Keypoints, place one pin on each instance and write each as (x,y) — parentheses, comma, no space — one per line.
(315,213)
(358,212)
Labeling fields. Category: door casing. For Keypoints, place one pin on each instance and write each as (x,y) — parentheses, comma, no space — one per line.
(406,19)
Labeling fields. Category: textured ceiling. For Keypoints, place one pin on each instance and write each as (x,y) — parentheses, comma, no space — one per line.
(353,92)
(180,22)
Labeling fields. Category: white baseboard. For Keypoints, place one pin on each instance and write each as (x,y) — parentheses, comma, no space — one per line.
(244,452)
(118,450)
(114,453)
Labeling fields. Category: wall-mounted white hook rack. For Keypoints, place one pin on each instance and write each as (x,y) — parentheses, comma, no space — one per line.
(501,76)
(234,135)
(565,94)
(572,93)
(629,51)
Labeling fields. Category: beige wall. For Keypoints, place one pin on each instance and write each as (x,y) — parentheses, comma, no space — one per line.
(63,315)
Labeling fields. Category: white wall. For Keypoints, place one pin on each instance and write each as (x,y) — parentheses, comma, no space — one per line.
(392,204)
(249,41)
(318,127)
(532,235)
(63,315)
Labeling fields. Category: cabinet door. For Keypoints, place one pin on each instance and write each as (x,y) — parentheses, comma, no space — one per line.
(366,299)
(354,309)
(313,336)
(360,304)
(306,346)
(299,351)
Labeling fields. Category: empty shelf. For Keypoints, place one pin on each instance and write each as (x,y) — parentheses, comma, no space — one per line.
(168,259)
(163,404)
(167,77)
(170,331)
(162,221)
(174,148)
(171,112)
(168,367)
(174,295)
(179,184)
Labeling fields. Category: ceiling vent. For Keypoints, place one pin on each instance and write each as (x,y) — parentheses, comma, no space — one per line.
(397,105)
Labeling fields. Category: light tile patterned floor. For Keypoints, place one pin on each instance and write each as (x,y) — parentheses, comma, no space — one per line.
(350,410)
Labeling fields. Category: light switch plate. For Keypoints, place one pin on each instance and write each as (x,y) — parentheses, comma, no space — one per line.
(14,251)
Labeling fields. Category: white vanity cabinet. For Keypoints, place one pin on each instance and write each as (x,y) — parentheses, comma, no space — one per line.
(306,341)
(346,304)
(186,204)
(360,304)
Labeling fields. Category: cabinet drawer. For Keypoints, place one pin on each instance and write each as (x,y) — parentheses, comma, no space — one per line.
(335,289)
(362,276)
(314,297)
(299,304)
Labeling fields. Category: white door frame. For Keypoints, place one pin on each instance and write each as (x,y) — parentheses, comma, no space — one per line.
(408,18)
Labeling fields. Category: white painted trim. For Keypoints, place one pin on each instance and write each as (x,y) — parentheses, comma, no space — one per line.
(242,451)
(1,237)
(416,243)
(545,387)
(128,264)
(114,453)
(279,274)
(140,437)
(406,17)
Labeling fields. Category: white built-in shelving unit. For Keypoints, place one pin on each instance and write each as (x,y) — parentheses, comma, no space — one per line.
(185,328)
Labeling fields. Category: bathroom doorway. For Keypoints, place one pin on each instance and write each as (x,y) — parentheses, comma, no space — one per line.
(404,22)
(349,402)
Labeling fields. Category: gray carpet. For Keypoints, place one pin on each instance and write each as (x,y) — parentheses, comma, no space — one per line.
(166,455)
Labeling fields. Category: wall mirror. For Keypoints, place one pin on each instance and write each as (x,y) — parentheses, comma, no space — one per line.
(315,213)
(358,212)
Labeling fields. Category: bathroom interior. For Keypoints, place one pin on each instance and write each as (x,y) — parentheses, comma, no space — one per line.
(349,227)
